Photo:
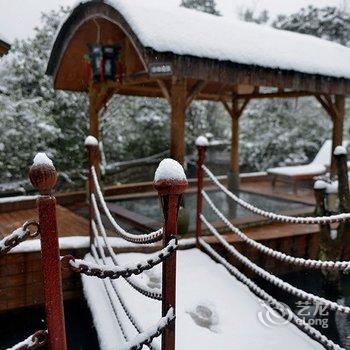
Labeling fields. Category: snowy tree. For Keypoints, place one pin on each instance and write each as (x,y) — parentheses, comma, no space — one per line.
(250,15)
(281,132)
(331,23)
(35,107)
(208,6)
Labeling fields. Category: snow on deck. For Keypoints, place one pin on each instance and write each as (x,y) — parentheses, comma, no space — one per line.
(202,285)
(167,28)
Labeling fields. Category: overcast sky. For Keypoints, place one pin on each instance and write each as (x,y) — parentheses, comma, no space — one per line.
(19,17)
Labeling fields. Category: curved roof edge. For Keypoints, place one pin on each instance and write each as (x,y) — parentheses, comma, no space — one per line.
(144,38)
(82,12)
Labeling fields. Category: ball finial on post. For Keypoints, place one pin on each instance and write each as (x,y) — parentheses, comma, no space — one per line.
(170,178)
(42,174)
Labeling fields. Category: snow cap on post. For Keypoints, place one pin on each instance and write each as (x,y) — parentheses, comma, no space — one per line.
(91,141)
(340,150)
(320,185)
(42,174)
(202,141)
(170,177)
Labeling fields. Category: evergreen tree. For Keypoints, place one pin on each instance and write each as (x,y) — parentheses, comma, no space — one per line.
(331,23)
(249,15)
(208,6)
(34,107)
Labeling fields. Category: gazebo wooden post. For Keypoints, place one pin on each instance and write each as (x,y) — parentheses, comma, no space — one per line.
(235,112)
(178,101)
(233,175)
(338,129)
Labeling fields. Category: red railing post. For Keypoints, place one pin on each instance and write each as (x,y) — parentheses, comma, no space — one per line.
(43,177)
(202,144)
(91,145)
(170,190)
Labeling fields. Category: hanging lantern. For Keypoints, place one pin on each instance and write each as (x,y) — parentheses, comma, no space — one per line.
(110,58)
(96,61)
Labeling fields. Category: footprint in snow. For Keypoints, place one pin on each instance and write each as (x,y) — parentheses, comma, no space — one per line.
(154,280)
(204,314)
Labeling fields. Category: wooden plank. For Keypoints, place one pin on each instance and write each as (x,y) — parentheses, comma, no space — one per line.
(69,224)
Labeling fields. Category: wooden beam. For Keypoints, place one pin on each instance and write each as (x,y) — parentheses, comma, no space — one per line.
(195,90)
(278,94)
(178,98)
(325,105)
(164,90)
(138,78)
(244,105)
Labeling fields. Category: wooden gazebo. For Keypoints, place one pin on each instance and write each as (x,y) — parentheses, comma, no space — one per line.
(4,46)
(183,55)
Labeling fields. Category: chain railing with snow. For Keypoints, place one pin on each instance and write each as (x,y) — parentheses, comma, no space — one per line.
(277,217)
(140,239)
(309,263)
(34,341)
(202,145)
(19,235)
(170,182)
(103,271)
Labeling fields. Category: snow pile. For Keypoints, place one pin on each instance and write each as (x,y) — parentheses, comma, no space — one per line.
(340,150)
(332,187)
(229,308)
(41,158)
(91,141)
(154,279)
(169,169)
(185,32)
(202,141)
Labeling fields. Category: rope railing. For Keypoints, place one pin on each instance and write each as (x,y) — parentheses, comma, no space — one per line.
(131,281)
(147,337)
(309,263)
(114,272)
(139,239)
(170,182)
(272,302)
(154,157)
(277,217)
(19,235)
(34,341)
(272,278)
(113,284)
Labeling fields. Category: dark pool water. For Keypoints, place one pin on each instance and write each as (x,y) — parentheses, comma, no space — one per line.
(335,325)
(149,207)
(17,325)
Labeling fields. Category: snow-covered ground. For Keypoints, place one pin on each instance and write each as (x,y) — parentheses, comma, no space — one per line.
(214,310)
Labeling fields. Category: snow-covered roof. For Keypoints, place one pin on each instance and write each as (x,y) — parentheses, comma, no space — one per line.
(183,31)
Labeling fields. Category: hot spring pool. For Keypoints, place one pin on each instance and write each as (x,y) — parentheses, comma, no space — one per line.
(149,206)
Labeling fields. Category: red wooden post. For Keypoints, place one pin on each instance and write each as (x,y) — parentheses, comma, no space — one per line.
(43,177)
(202,144)
(170,190)
(91,145)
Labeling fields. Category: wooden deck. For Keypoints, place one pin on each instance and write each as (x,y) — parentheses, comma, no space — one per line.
(69,224)
(20,273)
(21,281)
